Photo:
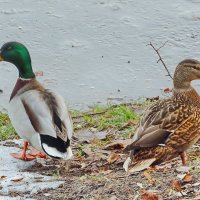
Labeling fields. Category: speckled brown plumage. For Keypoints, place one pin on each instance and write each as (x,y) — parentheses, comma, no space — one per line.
(170,126)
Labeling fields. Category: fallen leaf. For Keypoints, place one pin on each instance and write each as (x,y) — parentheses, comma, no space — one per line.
(2,177)
(167,90)
(149,178)
(187,178)
(113,157)
(87,150)
(17,179)
(83,165)
(139,185)
(118,144)
(39,73)
(149,196)
(88,135)
(176,185)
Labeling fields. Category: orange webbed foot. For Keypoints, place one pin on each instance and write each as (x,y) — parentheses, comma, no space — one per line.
(36,153)
(22,157)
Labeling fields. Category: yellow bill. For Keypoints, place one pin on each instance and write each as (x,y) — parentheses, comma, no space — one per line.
(1,59)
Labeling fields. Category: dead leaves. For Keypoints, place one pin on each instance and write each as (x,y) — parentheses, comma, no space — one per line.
(167,90)
(187,178)
(150,179)
(110,153)
(176,185)
(118,144)
(100,160)
(113,157)
(88,151)
(3,177)
(96,159)
(14,179)
(149,196)
(17,179)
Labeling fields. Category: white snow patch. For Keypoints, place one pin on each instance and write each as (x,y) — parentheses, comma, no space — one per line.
(13,169)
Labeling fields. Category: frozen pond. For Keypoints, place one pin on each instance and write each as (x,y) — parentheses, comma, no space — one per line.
(97,49)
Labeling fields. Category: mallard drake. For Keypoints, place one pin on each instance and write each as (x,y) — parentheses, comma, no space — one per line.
(170,126)
(38,115)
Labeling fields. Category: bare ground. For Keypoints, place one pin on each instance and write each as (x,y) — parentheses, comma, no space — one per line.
(96,173)
(97,179)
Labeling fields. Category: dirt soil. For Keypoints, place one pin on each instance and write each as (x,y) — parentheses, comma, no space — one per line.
(96,173)
(97,179)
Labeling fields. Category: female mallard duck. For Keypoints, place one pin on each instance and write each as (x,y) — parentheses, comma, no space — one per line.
(38,115)
(171,126)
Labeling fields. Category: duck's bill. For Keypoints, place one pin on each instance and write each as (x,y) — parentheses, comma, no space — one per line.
(1,59)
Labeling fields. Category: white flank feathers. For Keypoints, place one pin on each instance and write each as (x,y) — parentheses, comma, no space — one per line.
(55,153)
(141,165)
(126,164)
(24,128)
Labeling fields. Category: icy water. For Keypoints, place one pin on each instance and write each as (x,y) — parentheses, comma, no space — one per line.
(93,50)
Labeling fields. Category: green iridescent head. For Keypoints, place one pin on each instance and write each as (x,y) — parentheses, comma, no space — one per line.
(17,54)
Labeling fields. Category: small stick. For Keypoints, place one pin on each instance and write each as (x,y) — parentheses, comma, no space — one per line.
(160,58)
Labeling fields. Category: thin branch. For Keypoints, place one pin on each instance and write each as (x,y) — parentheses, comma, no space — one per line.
(162,45)
(160,58)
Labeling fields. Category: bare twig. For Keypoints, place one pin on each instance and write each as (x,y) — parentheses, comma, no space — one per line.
(162,45)
(160,58)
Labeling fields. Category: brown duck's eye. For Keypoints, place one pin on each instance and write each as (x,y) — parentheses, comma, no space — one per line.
(195,67)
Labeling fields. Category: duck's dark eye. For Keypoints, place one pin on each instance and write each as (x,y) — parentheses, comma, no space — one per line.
(195,67)
(9,48)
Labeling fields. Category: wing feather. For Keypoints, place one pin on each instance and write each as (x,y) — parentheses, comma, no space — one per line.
(48,114)
(160,121)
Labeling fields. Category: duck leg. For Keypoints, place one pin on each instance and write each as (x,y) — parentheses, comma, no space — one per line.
(23,155)
(183,157)
(36,153)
